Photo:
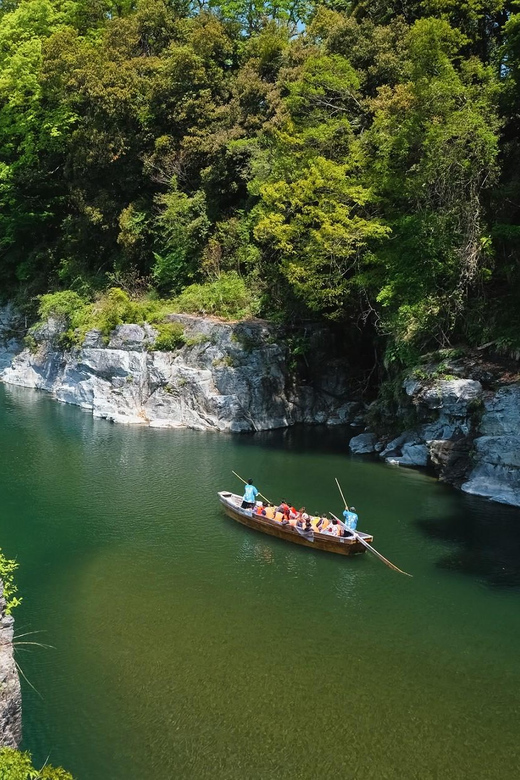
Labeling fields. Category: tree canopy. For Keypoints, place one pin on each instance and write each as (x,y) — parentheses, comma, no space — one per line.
(350,160)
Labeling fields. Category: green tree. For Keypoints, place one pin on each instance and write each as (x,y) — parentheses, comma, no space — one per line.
(18,766)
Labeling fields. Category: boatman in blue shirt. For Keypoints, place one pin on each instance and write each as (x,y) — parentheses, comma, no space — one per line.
(351,518)
(250,494)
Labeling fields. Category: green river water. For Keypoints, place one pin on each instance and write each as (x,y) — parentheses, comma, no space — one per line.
(187,647)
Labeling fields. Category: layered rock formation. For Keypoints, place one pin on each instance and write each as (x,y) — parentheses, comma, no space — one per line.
(236,377)
(467,430)
(10,693)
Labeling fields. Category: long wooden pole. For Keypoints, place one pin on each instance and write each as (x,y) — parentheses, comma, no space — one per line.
(366,544)
(372,549)
(341,493)
(245,483)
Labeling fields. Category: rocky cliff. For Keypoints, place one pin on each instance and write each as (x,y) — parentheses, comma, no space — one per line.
(235,377)
(466,427)
(10,693)
(249,376)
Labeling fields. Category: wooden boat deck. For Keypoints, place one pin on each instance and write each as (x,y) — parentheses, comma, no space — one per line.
(348,545)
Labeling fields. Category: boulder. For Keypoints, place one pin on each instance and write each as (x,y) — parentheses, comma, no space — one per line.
(411,455)
(363,444)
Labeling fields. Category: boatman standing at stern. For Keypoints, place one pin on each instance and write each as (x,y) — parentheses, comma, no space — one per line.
(351,518)
(250,494)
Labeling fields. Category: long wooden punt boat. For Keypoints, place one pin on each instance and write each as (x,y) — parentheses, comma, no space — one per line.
(342,545)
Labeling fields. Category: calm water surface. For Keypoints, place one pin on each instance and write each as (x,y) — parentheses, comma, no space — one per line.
(186,646)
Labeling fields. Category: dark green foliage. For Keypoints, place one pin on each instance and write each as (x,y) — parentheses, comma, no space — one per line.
(353,160)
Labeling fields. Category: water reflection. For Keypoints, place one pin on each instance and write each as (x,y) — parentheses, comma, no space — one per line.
(485,538)
(302,439)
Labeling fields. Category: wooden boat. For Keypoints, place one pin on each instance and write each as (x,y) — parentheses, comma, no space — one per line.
(348,545)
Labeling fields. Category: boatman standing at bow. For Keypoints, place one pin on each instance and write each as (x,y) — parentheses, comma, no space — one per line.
(250,494)
(351,518)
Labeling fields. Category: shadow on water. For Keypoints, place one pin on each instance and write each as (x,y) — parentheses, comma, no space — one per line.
(486,540)
(317,439)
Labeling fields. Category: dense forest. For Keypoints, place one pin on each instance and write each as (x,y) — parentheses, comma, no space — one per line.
(354,161)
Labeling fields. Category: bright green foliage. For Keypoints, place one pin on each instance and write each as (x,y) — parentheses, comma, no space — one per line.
(63,305)
(171,336)
(318,226)
(77,315)
(228,297)
(7,570)
(18,766)
(113,309)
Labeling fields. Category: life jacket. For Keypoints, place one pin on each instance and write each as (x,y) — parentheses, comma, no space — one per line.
(269,512)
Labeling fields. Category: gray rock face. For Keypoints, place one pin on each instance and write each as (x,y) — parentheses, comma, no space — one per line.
(497,451)
(448,401)
(470,437)
(496,472)
(497,469)
(228,377)
(414,455)
(443,412)
(10,693)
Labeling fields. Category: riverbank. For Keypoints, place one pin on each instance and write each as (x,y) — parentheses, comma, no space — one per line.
(461,419)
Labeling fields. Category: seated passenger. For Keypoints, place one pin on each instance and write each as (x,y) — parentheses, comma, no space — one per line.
(324,524)
(270,512)
(334,528)
(283,508)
